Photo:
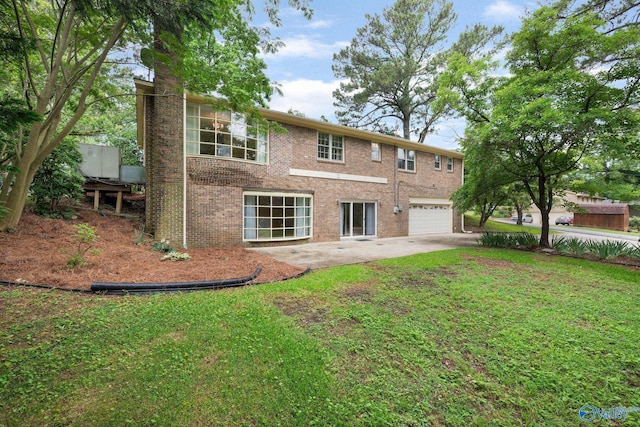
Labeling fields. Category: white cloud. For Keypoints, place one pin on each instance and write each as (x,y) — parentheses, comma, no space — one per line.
(308,47)
(320,24)
(313,98)
(502,10)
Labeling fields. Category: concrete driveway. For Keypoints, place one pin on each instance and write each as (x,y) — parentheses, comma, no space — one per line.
(353,251)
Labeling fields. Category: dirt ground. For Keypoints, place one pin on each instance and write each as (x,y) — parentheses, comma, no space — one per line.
(38,251)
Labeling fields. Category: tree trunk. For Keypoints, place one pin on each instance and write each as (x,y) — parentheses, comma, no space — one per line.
(406,128)
(17,194)
(544,204)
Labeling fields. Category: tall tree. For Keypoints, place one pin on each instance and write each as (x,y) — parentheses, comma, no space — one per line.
(74,39)
(391,67)
(573,89)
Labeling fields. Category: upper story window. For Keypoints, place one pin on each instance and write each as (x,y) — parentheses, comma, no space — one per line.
(225,134)
(449,164)
(330,147)
(437,162)
(375,151)
(406,159)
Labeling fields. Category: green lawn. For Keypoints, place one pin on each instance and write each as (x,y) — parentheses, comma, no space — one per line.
(464,337)
(474,221)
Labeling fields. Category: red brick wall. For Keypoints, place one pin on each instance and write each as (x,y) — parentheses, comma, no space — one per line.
(164,158)
(215,187)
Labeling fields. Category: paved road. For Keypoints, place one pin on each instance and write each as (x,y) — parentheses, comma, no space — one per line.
(582,233)
(329,254)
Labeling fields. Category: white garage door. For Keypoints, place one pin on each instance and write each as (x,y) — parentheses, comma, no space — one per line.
(429,219)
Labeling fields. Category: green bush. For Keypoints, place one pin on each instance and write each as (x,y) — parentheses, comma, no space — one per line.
(508,240)
(634,222)
(605,249)
(570,245)
(57,179)
(608,249)
(85,235)
(163,246)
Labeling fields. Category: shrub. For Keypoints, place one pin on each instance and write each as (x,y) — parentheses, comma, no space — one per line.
(85,235)
(608,249)
(176,256)
(634,222)
(570,245)
(605,249)
(508,240)
(163,246)
(57,179)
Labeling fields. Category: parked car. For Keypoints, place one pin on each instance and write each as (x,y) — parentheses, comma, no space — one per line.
(564,220)
(525,218)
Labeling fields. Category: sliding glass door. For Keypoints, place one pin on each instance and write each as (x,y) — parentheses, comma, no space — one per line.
(357,219)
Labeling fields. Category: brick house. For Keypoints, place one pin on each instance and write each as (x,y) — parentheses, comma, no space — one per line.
(216,178)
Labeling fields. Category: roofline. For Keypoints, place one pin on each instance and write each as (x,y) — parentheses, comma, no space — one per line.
(146,87)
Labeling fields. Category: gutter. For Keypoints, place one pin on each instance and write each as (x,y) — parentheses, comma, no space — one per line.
(463,230)
(184,172)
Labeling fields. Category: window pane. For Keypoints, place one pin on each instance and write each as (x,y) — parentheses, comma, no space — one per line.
(193,110)
(192,135)
(192,148)
(223,151)
(192,123)
(207,149)
(206,136)
(206,124)
(224,139)
(223,127)
(224,115)
(375,151)
(238,141)
(238,153)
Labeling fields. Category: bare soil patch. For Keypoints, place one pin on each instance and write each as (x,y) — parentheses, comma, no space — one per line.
(38,251)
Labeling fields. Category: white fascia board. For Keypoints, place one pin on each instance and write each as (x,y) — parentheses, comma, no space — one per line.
(338,176)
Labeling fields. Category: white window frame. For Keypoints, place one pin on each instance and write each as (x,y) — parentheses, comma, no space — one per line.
(291,218)
(334,146)
(225,134)
(449,164)
(406,159)
(376,155)
(437,162)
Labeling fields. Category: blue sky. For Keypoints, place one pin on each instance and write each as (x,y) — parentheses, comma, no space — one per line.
(303,66)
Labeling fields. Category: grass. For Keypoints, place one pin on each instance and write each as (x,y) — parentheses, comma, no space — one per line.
(490,225)
(464,337)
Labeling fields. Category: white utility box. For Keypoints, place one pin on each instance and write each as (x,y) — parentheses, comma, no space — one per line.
(99,161)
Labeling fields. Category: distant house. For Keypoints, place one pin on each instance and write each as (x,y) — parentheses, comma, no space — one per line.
(611,216)
(560,204)
(218,178)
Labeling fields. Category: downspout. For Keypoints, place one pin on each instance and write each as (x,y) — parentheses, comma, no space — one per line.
(396,197)
(463,230)
(184,171)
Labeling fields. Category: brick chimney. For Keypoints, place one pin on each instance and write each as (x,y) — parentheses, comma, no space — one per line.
(165,155)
